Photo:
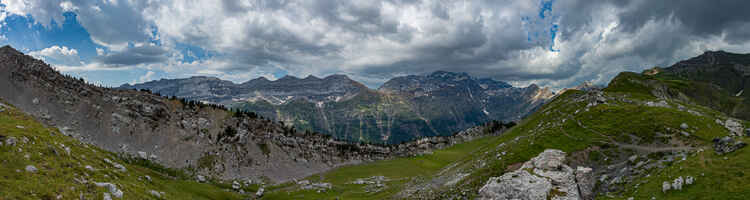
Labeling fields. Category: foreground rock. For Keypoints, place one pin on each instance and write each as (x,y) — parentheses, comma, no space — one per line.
(727,145)
(543,177)
(112,188)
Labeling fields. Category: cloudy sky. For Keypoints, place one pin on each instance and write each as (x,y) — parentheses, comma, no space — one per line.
(555,43)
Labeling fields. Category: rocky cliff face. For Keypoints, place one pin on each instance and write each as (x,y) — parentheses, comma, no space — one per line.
(207,138)
(403,109)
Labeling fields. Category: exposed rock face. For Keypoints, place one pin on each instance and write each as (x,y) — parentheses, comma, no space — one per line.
(727,145)
(401,110)
(543,177)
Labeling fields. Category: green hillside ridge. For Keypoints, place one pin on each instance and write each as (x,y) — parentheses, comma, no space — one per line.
(63,175)
(602,130)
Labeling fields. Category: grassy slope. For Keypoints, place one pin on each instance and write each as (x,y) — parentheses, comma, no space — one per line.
(567,125)
(58,170)
(400,171)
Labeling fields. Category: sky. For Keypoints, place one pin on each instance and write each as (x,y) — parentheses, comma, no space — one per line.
(553,43)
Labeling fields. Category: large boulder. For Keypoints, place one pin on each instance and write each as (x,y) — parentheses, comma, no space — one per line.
(727,145)
(734,127)
(543,177)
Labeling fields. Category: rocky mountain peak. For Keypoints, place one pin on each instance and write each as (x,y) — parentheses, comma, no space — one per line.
(715,58)
(288,78)
(8,50)
(311,77)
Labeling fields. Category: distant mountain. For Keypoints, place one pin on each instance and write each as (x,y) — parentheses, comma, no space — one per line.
(403,109)
(288,88)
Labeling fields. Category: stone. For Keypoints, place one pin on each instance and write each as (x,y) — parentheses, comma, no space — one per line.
(153,157)
(747,132)
(11,141)
(586,182)
(107,196)
(148,178)
(684,126)
(677,184)
(537,178)
(734,127)
(31,168)
(689,180)
(235,185)
(20,127)
(727,145)
(632,158)
(142,155)
(112,189)
(89,167)
(120,167)
(665,186)
(200,178)
(260,192)
(155,193)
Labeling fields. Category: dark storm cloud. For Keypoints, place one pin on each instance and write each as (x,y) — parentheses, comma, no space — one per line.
(135,56)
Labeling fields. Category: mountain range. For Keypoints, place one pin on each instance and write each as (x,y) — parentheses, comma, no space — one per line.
(402,109)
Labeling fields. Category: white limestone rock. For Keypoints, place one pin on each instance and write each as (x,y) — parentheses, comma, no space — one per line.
(538,178)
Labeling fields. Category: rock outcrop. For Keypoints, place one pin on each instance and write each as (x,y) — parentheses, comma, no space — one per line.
(727,145)
(543,177)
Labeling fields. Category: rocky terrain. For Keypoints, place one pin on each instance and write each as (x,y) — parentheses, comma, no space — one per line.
(403,109)
(207,139)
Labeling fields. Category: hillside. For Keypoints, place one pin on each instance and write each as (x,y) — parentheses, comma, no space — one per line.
(403,109)
(39,162)
(623,141)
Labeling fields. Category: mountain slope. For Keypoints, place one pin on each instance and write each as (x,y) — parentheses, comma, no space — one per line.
(636,134)
(403,109)
(717,79)
(38,162)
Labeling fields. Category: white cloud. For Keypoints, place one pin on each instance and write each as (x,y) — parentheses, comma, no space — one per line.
(147,77)
(58,55)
